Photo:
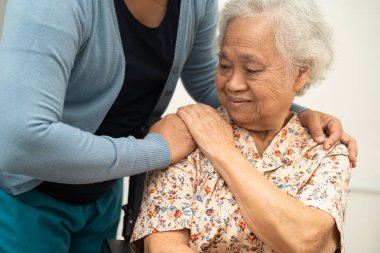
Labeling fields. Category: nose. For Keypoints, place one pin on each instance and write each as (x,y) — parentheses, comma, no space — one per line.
(236,82)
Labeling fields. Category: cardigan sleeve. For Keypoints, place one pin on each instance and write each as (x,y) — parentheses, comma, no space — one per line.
(39,48)
(297,108)
(198,72)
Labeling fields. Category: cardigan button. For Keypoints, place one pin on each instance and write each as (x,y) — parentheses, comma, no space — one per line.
(175,70)
(168,93)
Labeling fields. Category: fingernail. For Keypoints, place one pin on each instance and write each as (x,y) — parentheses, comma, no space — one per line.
(320,138)
(328,146)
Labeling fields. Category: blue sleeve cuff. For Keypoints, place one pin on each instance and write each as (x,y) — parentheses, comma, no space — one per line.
(298,108)
(152,153)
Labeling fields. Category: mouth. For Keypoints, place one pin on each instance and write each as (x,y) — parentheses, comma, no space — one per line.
(239,101)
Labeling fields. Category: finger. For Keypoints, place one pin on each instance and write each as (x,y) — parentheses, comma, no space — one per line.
(212,112)
(208,114)
(184,114)
(352,152)
(334,130)
(316,129)
(198,112)
(187,108)
(207,108)
(203,109)
(192,116)
(352,148)
(173,117)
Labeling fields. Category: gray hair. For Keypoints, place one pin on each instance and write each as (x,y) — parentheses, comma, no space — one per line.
(302,37)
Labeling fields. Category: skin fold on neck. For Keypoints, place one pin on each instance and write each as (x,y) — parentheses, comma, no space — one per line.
(263,138)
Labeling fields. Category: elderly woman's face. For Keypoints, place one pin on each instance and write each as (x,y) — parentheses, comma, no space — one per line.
(251,77)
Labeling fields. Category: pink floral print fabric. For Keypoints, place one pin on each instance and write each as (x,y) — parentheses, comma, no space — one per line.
(193,195)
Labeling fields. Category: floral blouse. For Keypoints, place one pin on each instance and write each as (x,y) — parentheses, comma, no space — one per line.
(193,195)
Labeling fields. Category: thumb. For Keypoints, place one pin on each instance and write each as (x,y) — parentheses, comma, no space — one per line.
(313,122)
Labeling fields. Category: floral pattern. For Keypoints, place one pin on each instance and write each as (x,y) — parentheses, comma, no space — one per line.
(193,195)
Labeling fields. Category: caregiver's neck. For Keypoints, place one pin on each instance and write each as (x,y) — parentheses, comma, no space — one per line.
(148,12)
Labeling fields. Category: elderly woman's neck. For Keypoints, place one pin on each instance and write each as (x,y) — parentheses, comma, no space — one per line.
(264,134)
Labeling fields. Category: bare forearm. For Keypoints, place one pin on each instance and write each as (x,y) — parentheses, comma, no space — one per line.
(270,213)
(173,248)
(168,242)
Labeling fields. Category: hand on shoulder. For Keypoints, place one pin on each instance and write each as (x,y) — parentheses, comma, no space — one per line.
(175,132)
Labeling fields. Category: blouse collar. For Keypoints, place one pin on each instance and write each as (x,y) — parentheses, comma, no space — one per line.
(291,142)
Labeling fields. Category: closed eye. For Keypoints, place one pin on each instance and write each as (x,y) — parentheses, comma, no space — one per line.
(224,66)
(252,71)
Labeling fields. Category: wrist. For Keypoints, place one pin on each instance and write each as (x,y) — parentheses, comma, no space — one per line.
(224,153)
(219,150)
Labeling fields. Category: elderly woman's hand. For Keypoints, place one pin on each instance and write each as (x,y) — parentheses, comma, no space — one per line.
(212,133)
(320,123)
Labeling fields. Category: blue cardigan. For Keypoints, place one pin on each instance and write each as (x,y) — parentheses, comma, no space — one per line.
(61,68)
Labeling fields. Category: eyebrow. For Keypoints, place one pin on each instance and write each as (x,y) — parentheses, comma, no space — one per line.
(244,57)
(221,55)
(248,57)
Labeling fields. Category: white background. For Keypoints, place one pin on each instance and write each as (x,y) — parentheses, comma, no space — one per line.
(350,93)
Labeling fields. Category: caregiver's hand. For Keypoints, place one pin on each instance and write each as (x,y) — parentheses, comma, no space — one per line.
(328,130)
(175,132)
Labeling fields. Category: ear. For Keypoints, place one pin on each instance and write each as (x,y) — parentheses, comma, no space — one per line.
(302,78)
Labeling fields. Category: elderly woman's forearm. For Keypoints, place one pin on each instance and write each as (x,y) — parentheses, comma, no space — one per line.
(276,215)
(168,242)
(174,248)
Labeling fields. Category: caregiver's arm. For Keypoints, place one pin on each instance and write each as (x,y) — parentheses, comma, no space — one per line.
(168,242)
(37,54)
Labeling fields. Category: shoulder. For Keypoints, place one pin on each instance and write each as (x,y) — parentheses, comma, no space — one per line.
(311,148)
(337,157)
(46,9)
(44,16)
(338,149)
(201,9)
(202,6)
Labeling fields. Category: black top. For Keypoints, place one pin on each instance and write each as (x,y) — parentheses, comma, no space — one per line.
(149,54)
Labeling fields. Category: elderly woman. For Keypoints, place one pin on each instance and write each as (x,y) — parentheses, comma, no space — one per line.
(258,182)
